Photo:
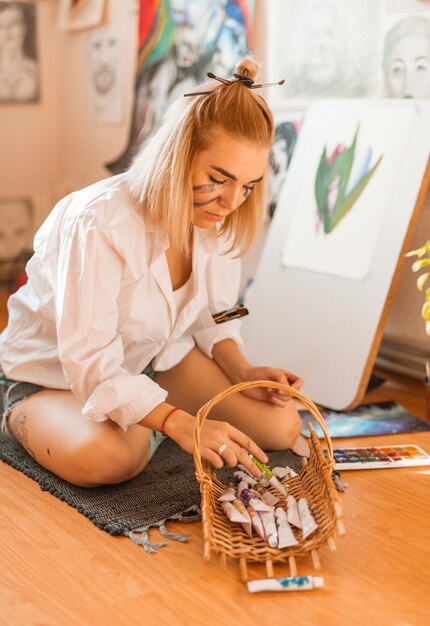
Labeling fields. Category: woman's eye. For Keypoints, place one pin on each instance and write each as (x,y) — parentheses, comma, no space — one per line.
(247,190)
(214,180)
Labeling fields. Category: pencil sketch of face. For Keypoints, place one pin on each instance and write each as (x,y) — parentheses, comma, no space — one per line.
(18,67)
(103,59)
(16,231)
(407,59)
(324,49)
(197,24)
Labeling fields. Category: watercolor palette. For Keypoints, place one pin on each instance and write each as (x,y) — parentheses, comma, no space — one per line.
(378,457)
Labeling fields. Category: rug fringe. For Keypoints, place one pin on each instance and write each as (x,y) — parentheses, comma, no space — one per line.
(143,540)
(192,514)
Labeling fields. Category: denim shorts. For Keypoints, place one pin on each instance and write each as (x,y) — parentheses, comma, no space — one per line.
(14,391)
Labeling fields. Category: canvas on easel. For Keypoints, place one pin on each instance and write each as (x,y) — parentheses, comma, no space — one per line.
(333,253)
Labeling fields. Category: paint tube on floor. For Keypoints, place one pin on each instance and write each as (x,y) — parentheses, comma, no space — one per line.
(239,476)
(286,537)
(293,516)
(257,524)
(295,583)
(232,513)
(267,472)
(238,504)
(284,472)
(268,497)
(253,499)
(228,495)
(309,524)
(269,526)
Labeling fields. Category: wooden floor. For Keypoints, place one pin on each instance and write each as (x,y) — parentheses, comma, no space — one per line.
(58,569)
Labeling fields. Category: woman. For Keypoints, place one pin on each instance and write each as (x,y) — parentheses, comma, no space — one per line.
(114,327)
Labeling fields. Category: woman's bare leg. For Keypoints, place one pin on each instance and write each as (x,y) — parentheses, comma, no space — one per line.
(197,379)
(49,425)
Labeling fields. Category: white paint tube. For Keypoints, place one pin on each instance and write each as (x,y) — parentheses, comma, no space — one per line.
(232,513)
(269,525)
(253,499)
(294,583)
(293,516)
(238,504)
(268,497)
(284,472)
(245,469)
(228,495)
(241,486)
(285,534)
(309,524)
(267,472)
(242,476)
(257,524)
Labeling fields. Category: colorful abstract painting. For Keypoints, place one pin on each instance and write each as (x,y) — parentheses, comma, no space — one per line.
(337,186)
(387,418)
(180,41)
(336,197)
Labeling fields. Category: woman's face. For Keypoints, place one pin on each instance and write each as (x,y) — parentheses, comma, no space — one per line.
(224,175)
(408,72)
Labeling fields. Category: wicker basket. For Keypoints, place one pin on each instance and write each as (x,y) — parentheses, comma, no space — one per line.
(314,483)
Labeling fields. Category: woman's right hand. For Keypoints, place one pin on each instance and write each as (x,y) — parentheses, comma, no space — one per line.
(214,435)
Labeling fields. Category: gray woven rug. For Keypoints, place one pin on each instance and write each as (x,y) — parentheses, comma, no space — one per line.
(166,490)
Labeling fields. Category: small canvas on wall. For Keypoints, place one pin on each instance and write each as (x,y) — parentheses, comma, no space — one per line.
(104,72)
(351,154)
(287,129)
(19,74)
(406,55)
(16,236)
(324,48)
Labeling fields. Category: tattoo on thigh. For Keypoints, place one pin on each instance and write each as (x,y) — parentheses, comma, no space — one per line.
(19,430)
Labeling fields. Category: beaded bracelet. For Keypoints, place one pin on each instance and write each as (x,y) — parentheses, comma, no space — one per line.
(162,431)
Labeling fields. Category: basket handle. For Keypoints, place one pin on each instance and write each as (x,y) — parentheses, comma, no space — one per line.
(203,412)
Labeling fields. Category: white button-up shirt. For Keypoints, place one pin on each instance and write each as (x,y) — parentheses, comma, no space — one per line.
(99,306)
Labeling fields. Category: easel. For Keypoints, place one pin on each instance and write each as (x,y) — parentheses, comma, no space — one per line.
(326,328)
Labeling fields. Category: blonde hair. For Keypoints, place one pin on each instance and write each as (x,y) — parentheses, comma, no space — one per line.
(160,176)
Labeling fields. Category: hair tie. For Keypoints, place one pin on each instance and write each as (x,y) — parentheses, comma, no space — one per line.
(240,78)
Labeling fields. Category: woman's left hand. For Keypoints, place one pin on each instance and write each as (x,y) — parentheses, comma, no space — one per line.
(266,394)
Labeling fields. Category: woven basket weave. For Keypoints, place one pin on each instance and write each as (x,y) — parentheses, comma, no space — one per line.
(313,483)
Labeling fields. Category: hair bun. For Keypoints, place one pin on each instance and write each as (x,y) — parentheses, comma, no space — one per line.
(247,67)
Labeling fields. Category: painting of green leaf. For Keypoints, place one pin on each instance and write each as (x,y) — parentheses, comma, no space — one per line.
(337,188)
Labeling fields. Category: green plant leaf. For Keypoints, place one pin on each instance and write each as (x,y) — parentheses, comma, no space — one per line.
(425,311)
(418,265)
(419,252)
(421,280)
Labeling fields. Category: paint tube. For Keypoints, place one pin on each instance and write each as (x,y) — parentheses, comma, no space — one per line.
(232,513)
(285,534)
(269,475)
(228,495)
(239,476)
(245,469)
(295,583)
(257,524)
(268,497)
(238,504)
(293,516)
(253,499)
(284,472)
(309,524)
(241,486)
(269,525)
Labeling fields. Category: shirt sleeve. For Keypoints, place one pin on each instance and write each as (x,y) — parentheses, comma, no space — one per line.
(223,282)
(90,347)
